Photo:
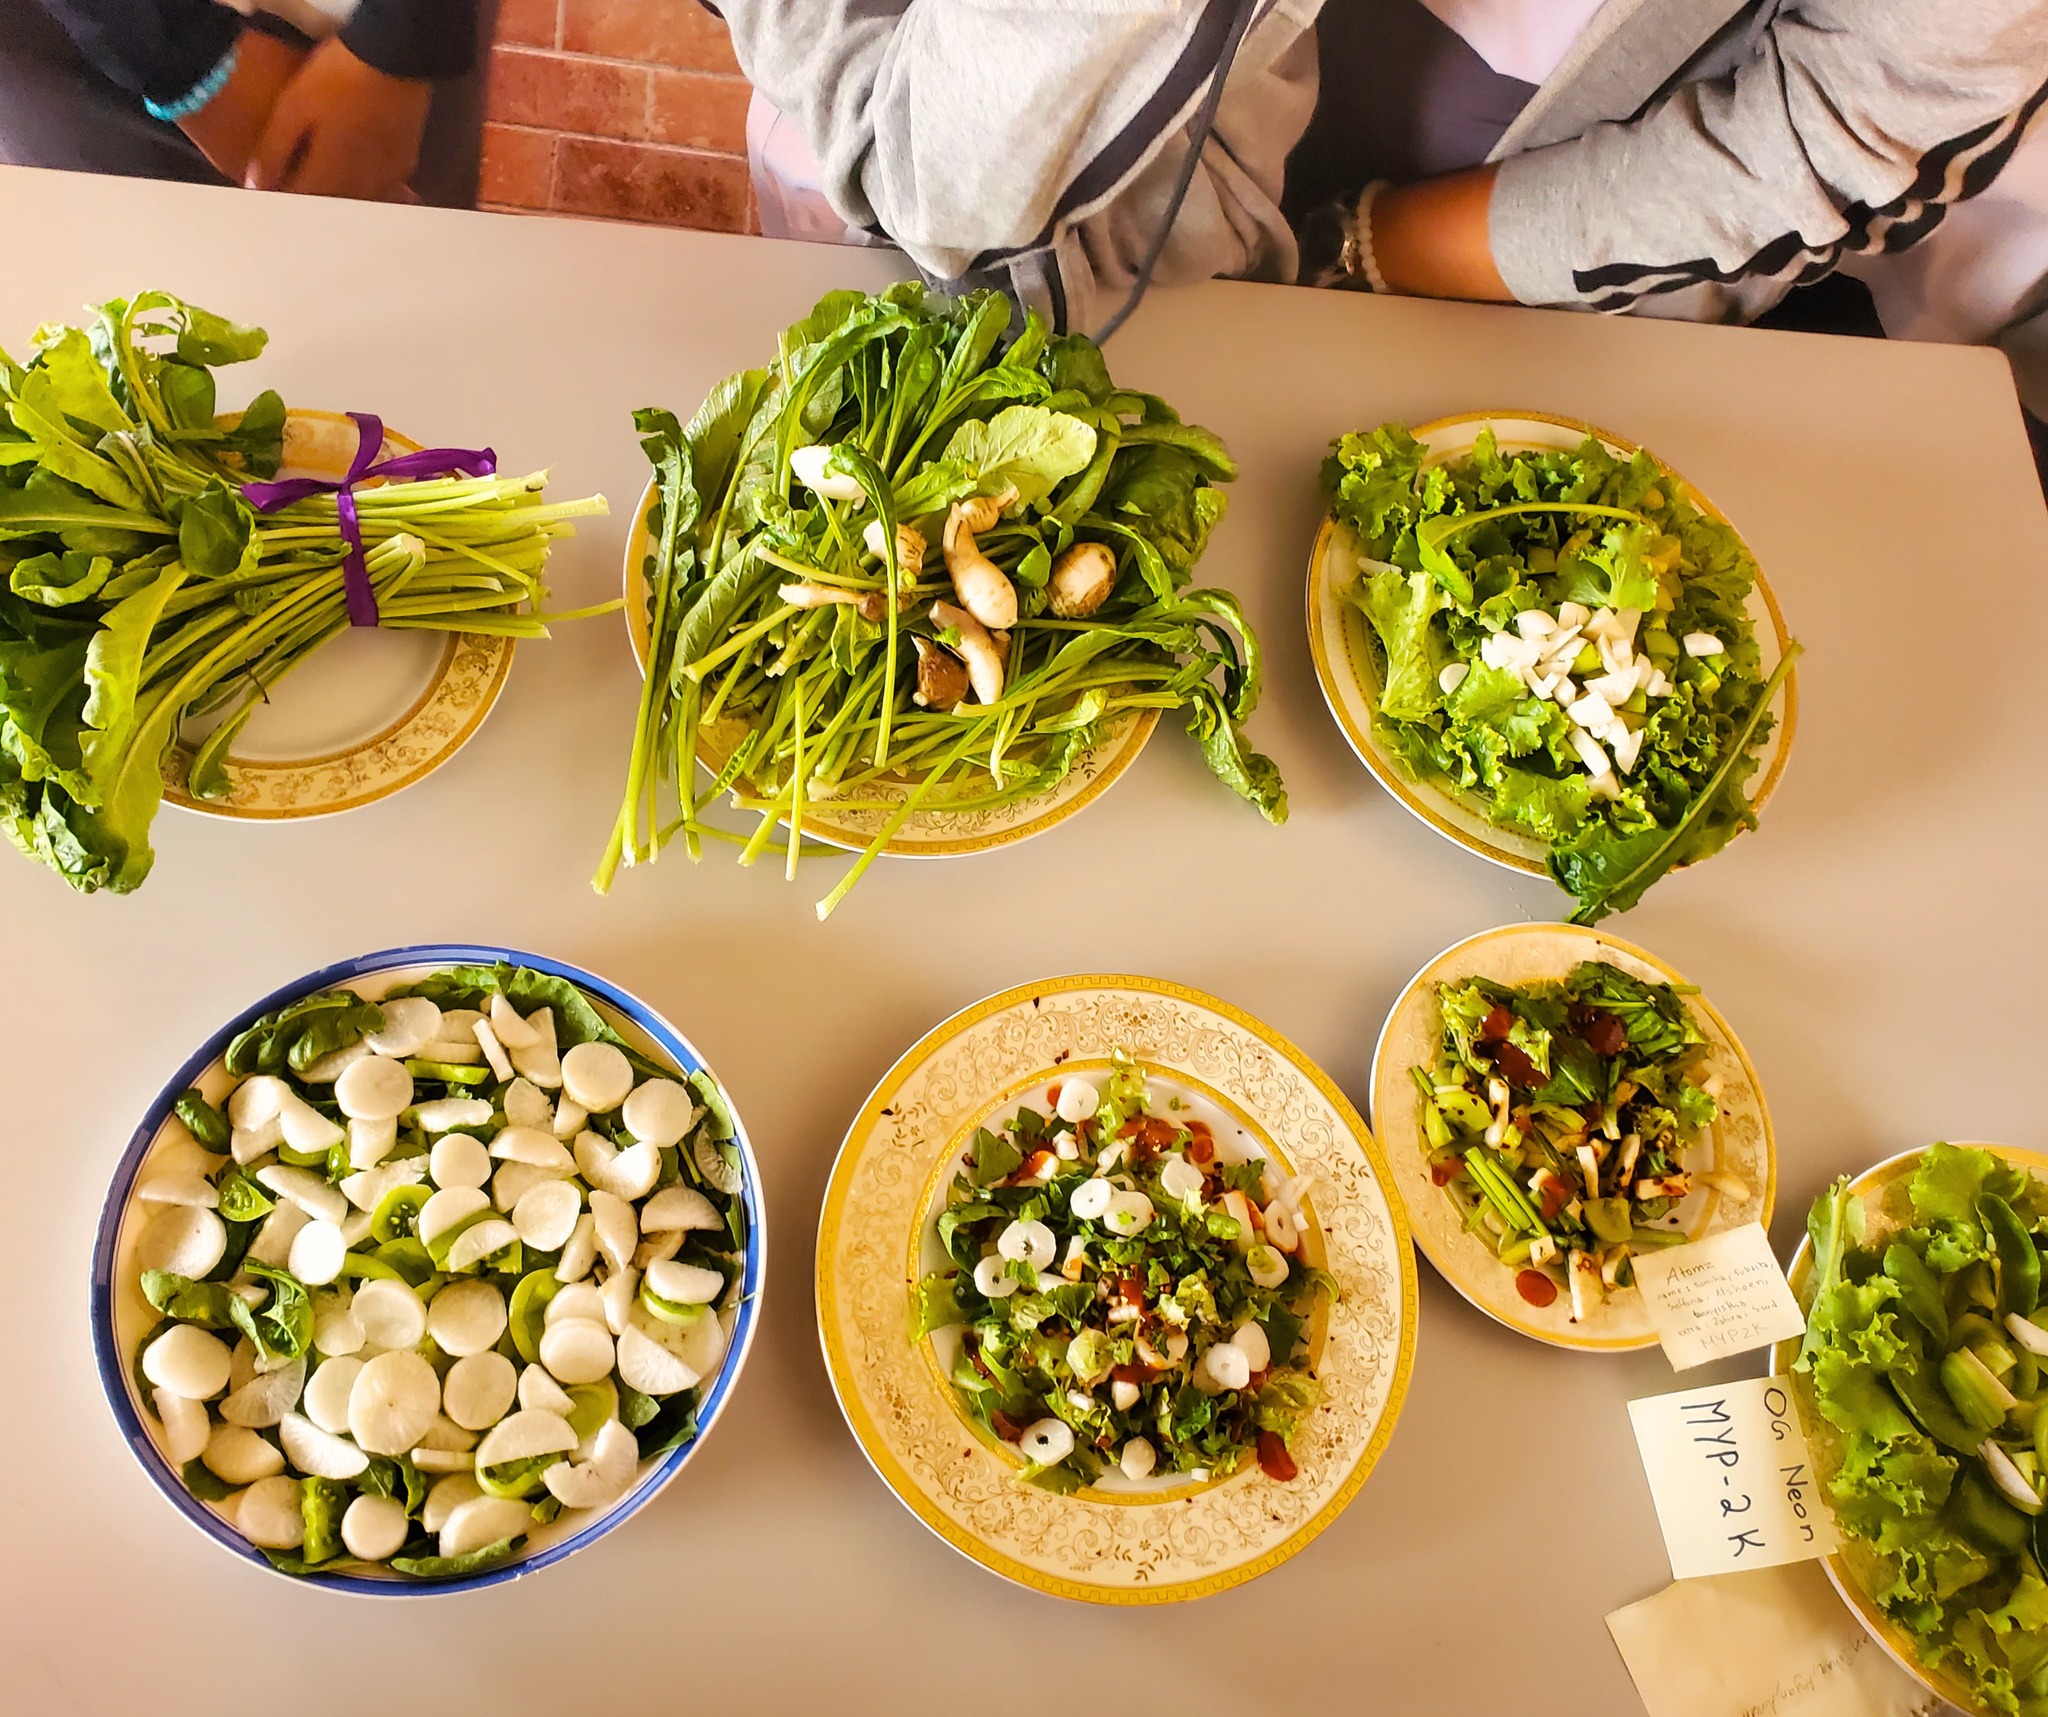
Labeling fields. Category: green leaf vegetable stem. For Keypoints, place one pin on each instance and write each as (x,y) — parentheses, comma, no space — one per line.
(791,597)
(141,590)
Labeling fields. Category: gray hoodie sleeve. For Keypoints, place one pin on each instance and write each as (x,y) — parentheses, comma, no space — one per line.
(1850,127)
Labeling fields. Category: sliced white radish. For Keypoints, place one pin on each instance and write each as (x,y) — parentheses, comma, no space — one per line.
(545,1215)
(375,1528)
(319,1454)
(178,1152)
(256,1100)
(318,1250)
(579,1251)
(248,1144)
(459,1160)
(457,1031)
(657,1247)
(186,1427)
(513,1181)
(234,1454)
(526,1104)
(700,1344)
(179,1188)
(370,1142)
(355,1228)
(529,1432)
(272,1244)
(188,1361)
(538,1389)
(604,1478)
(266,1397)
(479,1390)
(681,1208)
(392,1402)
(443,1460)
(466,1317)
(595,1155)
(537,1062)
(648,1358)
(410,1024)
(305,1128)
(658,1112)
(185,1239)
(443,1433)
(390,1314)
(494,1051)
(448,1207)
(445,1114)
(446,1496)
(618,1229)
(483,1521)
(309,1191)
(1251,1338)
(634,1172)
(684,1284)
(335,1329)
(327,1393)
(1047,1442)
(1078,1101)
(473,1245)
(597,1075)
(375,1088)
(574,1300)
(241,1363)
(620,1293)
(366,1190)
(510,1026)
(577,1350)
(532,1145)
(268,1514)
(569,1118)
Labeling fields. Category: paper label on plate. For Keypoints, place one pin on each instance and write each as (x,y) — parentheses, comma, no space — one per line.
(1731,1477)
(1775,1642)
(1719,1296)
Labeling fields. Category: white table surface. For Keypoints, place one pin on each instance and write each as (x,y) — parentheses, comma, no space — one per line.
(1878,945)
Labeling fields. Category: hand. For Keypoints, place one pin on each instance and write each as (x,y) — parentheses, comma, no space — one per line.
(227,127)
(342,129)
(1430,239)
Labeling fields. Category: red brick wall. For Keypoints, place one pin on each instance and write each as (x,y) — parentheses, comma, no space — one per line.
(627,109)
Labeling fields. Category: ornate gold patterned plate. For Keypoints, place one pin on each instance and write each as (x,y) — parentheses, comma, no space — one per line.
(925,834)
(1740,1141)
(369,713)
(1340,642)
(1854,1569)
(1108,1543)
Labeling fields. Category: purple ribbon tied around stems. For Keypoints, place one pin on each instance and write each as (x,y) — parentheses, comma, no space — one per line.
(428,462)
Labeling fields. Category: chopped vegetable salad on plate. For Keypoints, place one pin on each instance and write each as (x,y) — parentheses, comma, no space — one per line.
(431,1270)
(1127,1289)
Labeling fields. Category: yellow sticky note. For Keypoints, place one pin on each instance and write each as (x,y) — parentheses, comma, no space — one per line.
(1719,1296)
(1731,1477)
(1775,1642)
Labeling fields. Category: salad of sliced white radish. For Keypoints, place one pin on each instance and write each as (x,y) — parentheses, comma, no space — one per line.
(432,1269)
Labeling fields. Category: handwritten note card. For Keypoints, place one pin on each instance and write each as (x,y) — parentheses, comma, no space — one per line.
(1775,1642)
(1731,1477)
(1718,1296)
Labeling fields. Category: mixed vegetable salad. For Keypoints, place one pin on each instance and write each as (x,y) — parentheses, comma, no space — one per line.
(139,588)
(924,570)
(433,1269)
(1563,640)
(1558,1116)
(1926,1347)
(1134,1289)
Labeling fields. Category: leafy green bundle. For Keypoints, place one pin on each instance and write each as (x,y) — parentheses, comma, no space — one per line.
(1925,1351)
(1469,558)
(809,621)
(141,589)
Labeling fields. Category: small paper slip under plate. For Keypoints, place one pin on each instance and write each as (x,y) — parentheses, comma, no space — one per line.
(1731,1477)
(1775,1642)
(1719,1296)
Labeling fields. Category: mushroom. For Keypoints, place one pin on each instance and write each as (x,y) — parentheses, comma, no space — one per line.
(941,676)
(910,547)
(1082,579)
(808,463)
(869,602)
(978,649)
(985,591)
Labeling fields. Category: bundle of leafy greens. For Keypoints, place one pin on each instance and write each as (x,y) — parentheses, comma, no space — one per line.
(1557,1117)
(1925,1349)
(1564,643)
(1127,1302)
(141,589)
(921,571)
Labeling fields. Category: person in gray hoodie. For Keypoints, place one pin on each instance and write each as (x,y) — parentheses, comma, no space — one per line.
(1688,158)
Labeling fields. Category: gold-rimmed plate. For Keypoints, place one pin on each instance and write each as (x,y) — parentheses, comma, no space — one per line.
(1855,1568)
(1738,1144)
(924,834)
(1108,1544)
(1341,644)
(369,713)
